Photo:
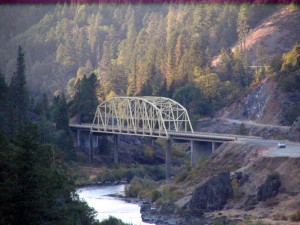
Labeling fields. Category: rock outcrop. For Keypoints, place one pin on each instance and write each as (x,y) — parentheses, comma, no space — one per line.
(264,103)
(213,194)
(294,133)
(269,188)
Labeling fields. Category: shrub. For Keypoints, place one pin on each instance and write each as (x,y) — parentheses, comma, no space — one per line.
(155,195)
(181,177)
(140,187)
(169,193)
(295,217)
(271,202)
(113,221)
(148,152)
(279,216)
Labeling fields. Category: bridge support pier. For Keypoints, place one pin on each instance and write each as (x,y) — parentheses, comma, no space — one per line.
(91,148)
(116,149)
(168,160)
(201,149)
(78,138)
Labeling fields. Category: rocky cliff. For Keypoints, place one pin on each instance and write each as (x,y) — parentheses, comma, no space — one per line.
(264,103)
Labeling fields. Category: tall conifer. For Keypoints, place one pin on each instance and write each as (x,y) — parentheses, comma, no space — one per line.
(18,94)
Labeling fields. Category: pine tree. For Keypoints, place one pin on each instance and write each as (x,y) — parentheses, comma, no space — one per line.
(242,26)
(3,103)
(18,94)
(62,118)
(85,99)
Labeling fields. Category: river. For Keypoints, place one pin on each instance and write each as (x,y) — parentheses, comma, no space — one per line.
(101,199)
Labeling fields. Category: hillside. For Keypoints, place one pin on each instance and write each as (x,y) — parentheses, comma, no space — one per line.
(264,103)
(250,170)
(279,32)
(133,49)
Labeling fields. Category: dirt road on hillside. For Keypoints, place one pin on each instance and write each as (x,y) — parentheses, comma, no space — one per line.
(252,123)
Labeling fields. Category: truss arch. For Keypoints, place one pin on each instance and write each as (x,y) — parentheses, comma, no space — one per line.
(147,116)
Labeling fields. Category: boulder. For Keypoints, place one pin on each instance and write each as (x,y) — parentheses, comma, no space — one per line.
(269,188)
(213,194)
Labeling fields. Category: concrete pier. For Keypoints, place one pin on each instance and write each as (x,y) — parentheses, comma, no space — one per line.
(116,149)
(168,160)
(202,149)
(78,138)
(91,148)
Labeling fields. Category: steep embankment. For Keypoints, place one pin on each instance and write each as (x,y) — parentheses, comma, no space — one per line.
(264,103)
(238,183)
(256,103)
(279,33)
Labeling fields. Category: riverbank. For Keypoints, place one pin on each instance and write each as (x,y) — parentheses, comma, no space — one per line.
(110,200)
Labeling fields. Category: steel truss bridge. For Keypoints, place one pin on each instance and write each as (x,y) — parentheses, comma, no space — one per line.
(145,116)
(148,116)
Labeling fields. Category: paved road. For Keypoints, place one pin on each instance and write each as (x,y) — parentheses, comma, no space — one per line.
(292,148)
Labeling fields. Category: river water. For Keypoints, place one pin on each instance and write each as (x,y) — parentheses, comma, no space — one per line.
(99,197)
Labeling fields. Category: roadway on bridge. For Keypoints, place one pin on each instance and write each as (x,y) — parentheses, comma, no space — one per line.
(292,148)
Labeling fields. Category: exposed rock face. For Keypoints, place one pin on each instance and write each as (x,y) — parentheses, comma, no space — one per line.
(294,133)
(263,103)
(213,194)
(270,188)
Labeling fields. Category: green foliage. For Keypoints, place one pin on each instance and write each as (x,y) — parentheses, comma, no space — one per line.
(276,63)
(34,187)
(3,103)
(169,193)
(18,95)
(61,116)
(190,97)
(85,100)
(291,60)
(181,177)
(155,195)
(112,221)
(292,113)
(116,174)
(140,187)
(42,107)
(243,130)
(295,217)
(135,49)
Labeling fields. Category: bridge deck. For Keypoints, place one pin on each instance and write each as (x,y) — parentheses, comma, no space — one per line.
(155,133)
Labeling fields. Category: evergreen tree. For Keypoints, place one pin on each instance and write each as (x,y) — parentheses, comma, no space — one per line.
(62,136)
(85,99)
(62,118)
(18,95)
(3,102)
(243,26)
(34,187)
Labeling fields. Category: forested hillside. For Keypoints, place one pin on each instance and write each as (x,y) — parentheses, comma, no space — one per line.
(143,49)
(133,49)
